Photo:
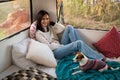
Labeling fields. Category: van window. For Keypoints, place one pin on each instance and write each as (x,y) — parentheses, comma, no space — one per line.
(14,16)
(92,14)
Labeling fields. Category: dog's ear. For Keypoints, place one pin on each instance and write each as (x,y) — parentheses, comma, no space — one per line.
(79,55)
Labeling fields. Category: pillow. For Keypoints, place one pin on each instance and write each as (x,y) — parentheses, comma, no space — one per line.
(59,28)
(109,45)
(40,53)
(29,74)
(19,51)
(32,30)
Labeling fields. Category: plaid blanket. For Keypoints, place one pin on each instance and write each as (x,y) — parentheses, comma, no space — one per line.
(29,74)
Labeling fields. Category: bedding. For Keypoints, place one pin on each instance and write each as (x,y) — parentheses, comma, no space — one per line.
(65,65)
(19,51)
(41,54)
(29,74)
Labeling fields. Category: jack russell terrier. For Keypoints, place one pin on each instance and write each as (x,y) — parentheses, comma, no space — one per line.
(89,64)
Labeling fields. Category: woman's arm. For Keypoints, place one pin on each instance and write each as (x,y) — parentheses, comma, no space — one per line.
(53,45)
(32,30)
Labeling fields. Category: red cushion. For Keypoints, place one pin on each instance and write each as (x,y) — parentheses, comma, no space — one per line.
(109,45)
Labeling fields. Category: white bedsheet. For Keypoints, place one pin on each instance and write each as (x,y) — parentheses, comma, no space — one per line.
(50,71)
(8,71)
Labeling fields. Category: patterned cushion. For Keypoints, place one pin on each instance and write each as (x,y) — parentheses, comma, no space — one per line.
(29,74)
(109,45)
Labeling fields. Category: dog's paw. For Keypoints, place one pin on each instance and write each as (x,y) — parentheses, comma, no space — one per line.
(115,68)
(76,72)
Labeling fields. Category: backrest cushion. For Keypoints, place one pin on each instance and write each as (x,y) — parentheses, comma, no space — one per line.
(19,51)
(109,44)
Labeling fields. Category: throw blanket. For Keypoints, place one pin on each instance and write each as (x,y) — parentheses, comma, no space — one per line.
(65,66)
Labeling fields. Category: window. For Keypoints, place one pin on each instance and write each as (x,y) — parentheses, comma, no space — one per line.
(93,14)
(14,16)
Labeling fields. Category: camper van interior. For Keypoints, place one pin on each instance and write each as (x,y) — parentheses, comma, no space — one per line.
(96,21)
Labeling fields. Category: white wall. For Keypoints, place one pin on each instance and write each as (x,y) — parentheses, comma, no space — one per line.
(5,49)
(48,5)
(91,36)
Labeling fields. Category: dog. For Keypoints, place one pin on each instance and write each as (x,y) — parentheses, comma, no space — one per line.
(89,64)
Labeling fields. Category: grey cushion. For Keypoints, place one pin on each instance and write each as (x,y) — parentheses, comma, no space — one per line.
(19,51)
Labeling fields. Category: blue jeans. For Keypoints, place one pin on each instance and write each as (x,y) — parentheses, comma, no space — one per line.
(72,43)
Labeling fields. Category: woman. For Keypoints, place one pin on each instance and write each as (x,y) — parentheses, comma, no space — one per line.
(43,31)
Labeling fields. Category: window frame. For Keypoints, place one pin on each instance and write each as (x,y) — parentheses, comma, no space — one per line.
(30,17)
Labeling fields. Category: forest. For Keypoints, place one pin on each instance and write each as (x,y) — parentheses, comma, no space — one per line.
(93,14)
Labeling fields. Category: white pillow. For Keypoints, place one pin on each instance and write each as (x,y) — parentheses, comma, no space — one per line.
(19,51)
(41,54)
(59,28)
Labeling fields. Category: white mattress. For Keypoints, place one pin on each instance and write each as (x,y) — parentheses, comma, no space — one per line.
(8,71)
(50,71)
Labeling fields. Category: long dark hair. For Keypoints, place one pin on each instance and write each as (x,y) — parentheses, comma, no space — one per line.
(39,17)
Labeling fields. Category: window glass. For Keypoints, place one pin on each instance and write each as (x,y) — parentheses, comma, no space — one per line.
(93,14)
(14,17)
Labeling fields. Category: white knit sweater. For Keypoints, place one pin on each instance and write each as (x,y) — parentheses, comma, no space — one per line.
(51,38)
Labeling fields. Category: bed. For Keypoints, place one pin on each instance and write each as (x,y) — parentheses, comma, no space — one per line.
(108,45)
(61,69)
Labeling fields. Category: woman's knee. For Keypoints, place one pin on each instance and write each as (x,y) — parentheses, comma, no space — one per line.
(69,27)
(79,43)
